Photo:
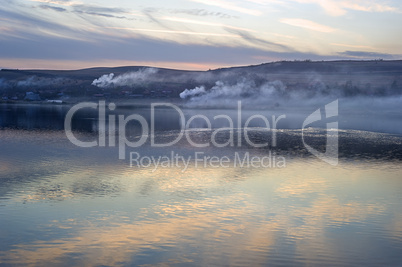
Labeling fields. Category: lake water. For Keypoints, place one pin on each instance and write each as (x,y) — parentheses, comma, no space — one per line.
(61,204)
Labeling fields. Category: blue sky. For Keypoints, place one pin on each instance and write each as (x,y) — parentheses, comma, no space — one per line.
(194,34)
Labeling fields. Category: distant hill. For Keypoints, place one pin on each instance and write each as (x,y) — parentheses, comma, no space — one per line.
(346,77)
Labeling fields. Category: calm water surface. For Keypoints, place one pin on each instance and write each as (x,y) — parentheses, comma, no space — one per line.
(65,205)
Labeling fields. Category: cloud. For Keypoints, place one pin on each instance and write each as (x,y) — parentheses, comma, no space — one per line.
(202,13)
(51,35)
(101,14)
(21,23)
(98,47)
(354,46)
(177,32)
(254,40)
(91,8)
(307,24)
(199,12)
(366,55)
(55,8)
(339,8)
(107,12)
(175,19)
(57,2)
(135,49)
(230,6)
(148,13)
(21,18)
(167,28)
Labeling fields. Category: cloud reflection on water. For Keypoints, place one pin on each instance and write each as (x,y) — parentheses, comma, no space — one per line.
(210,216)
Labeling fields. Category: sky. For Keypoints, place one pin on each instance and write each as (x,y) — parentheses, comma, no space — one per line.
(194,34)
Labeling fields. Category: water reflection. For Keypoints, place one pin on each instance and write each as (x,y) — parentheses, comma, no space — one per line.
(30,116)
(65,205)
(268,218)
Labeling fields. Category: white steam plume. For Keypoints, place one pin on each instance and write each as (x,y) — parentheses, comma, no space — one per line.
(127,79)
(192,92)
(226,95)
(35,81)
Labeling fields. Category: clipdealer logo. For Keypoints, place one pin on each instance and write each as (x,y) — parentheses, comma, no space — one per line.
(108,127)
(331,153)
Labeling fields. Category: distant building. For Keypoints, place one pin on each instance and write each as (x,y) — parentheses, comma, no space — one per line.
(55,101)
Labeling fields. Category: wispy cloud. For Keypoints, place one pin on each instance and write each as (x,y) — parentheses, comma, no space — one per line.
(34,23)
(106,12)
(307,24)
(221,31)
(100,14)
(353,46)
(266,2)
(202,13)
(59,2)
(284,35)
(54,8)
(176,32)
(149,12)
(267,45)
(339,8)
(101,9)
(80,8)
(21,22)
(230,6)
(366,55)
(205,23)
